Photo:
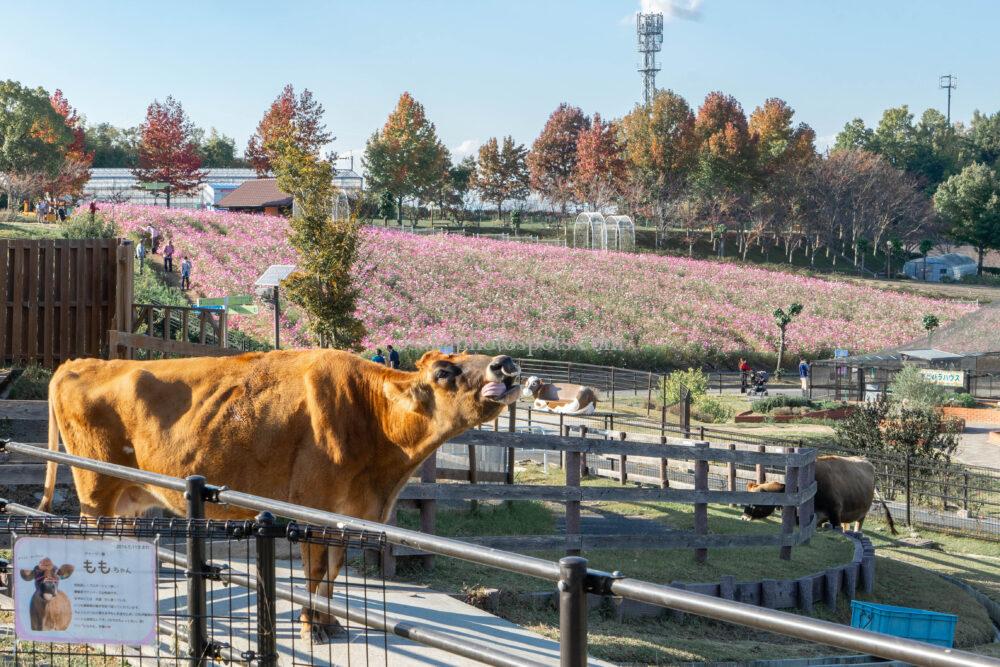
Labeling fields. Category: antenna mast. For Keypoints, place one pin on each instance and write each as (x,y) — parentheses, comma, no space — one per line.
(649,30)
(949,81)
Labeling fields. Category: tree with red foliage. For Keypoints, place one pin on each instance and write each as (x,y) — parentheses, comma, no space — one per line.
(600,164)
(75,170)
(552,160)
(167,152)
(289,118)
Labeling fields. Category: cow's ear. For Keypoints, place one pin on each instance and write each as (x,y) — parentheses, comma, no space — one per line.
(428,357)
(751,486)
(411,396)
(27,575)
(65,571)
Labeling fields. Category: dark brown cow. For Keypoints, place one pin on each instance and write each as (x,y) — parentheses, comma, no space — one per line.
(845,489)
(50,608)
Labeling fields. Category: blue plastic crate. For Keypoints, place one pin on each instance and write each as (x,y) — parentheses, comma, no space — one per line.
(919,624)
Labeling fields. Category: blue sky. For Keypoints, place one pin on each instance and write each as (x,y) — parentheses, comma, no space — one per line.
(496,67)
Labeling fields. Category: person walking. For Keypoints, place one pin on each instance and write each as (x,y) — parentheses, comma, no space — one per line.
(393,357)
(154,239)
(378,358)
(61,213)
(185,273)
(745,372)
(93,210)
(804,375)
(168,256)
(140,254)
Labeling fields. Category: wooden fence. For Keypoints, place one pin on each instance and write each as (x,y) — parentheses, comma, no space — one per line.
(151,331)
(796,502)
(60,298)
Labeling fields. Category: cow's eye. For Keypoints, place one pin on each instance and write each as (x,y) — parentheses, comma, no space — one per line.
(441,374)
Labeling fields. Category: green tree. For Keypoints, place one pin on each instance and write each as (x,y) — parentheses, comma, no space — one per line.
(855,136)
(782,319)
(930,322)
(911,388)
(34,139)
(405,157)
(112,146)
(218,150)
(322,285)
(460,181)
(502,172)
(925,247)
(552,161)
(386,206)
(969,203)
(984,138)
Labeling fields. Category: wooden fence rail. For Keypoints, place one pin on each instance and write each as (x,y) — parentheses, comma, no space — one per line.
(60,298)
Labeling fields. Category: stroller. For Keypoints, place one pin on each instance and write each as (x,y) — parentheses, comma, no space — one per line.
(758,384)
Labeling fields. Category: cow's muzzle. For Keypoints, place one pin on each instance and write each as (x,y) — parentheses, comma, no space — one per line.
(503,367)
(501,376)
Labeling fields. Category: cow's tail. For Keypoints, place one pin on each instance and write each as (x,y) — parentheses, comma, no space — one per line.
(51,468)
(888,514)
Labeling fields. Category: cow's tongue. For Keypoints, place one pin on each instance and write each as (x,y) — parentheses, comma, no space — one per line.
(493,390)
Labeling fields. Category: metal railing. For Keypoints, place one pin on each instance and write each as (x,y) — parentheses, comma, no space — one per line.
(573,578)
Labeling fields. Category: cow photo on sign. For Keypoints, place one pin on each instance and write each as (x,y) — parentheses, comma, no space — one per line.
(320,428)
(50,608)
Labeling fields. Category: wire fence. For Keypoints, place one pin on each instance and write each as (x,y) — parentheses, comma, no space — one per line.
(237,625)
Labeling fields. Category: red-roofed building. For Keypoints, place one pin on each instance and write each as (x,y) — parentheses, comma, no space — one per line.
(260,195)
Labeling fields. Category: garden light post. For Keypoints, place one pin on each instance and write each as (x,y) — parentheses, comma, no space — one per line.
(272,278)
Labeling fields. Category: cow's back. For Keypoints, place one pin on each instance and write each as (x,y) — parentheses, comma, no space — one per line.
(845,483)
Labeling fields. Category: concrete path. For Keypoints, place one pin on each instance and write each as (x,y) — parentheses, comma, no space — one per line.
(234,609)
(974,448)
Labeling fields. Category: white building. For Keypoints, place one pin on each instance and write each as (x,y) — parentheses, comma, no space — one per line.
(941,268)
(118,184)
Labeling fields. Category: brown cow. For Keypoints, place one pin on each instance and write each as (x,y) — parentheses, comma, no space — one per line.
(50,608)
(320,428)
(571,399)
(845,489)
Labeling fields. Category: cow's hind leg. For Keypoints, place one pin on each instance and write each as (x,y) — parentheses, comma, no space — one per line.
(320,564)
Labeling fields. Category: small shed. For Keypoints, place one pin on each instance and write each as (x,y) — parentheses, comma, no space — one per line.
(261,195)
(941,268)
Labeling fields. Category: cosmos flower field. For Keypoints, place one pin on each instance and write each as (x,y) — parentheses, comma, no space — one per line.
(421,291)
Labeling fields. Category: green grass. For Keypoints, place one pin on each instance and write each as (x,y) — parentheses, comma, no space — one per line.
(518,517)
(23,229)
(31,385)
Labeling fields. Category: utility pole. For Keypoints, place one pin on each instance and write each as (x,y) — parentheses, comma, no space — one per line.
(949,82)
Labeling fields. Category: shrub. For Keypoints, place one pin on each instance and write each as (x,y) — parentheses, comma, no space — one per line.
(711,411)
(150,288)
(962,400)
(693,378)
(911,389)
(83,227)
(31,385)
(766,405)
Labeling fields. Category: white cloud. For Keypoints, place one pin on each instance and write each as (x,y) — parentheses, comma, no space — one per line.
(825,142)
(671,9)
(467,147)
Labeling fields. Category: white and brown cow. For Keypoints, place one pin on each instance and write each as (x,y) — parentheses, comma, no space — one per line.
(570,399)
(845,489)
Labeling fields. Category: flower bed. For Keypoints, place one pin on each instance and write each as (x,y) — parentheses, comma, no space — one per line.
(428,291)
(751,417)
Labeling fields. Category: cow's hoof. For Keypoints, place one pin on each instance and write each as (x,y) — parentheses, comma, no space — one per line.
(322,633)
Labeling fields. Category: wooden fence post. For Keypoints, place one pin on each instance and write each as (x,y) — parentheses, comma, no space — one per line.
(584,470)
(612,387)
(428,508)
(473,475)
(807,475)
(511,423)
(563,431)
(388,555)
(701,509)
(788,512)
(649,393)
(761,472)
(731,469)
(622,461)
(572,506)
(664,467)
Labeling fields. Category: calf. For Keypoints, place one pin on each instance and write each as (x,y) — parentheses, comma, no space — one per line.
(572,399)
(845,489)
(50,608)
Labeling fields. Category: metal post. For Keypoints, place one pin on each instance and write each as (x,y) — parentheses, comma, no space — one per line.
(572,612)
(701,508)
(194,495)
(908,479)
(612,387)
(572,471)
(649,393)
(428,508)
(511,427)
(267,621)
(965,491)
(277,319)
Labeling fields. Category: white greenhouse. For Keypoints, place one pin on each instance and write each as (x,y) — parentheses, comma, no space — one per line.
(941,268)
(593,230)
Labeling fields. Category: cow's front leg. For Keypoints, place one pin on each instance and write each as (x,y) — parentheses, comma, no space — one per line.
(320,565)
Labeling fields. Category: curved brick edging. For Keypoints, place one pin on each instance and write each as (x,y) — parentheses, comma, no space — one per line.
(751,417)
(801,593)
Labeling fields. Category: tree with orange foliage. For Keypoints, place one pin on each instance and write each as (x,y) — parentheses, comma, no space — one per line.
(290,117)
(553,157)
(405,157)
(167,152)
(75,170)
(600,164)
